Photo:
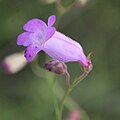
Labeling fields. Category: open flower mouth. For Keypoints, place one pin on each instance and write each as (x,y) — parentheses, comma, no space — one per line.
(38,38)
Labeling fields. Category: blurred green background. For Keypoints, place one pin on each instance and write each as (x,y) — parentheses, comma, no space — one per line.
(25,96)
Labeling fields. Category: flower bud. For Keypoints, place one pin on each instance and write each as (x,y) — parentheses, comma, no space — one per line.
(56,66)
(74,115)
(59,68)
(14,63)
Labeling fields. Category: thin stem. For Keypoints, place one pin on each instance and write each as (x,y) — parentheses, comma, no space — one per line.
(70,103)
(51,80)
(56,106)
(59,7)
(63,99)
(69,89)
(77,81)
(67,75)
(37,70)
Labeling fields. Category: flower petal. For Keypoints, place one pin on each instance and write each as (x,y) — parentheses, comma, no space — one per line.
(50,32)
(63,37)
(24,39)
(31,52)
(64,49)
(34,24)
(51,20)
(38,37)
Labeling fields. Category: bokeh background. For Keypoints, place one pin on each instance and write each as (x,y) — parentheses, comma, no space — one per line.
(96,25)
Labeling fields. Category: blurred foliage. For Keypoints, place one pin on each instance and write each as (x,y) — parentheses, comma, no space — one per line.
(25,96)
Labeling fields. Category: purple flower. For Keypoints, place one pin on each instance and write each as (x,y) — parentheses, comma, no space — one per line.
(40,36)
